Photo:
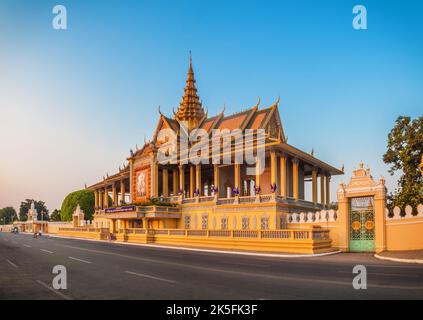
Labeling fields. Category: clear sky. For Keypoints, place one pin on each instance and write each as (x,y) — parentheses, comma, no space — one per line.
(73,102)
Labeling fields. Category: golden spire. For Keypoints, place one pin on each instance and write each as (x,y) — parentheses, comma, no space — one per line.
(190,108)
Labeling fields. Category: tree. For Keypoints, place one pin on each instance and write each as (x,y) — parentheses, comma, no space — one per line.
(404,152)
(55,215)
(85,199)
(39,206)
(8,215)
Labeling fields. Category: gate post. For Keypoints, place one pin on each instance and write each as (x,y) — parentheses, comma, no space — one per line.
(343,219)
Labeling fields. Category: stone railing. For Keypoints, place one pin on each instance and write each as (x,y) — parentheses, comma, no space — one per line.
(407,213)
(290,234)
(161,209)
(313,217)
(85,229)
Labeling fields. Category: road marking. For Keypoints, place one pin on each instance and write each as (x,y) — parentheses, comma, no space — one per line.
(248,274)
(11,263)
(27,245)
(386,274)
(44,250)
(244,264)
(150,277)
(84,261)
(45,285)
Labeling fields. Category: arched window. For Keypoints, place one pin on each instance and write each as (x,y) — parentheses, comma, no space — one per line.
(187,222)
(224,223)
(204,221)
(245,223)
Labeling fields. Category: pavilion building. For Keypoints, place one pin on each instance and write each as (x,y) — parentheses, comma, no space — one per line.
(213,195)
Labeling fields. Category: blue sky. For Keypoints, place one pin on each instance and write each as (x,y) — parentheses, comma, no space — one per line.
(74,102)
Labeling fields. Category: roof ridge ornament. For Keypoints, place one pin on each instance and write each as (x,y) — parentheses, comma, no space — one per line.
(276,102)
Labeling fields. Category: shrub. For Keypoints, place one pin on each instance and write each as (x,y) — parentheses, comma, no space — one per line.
(85,199)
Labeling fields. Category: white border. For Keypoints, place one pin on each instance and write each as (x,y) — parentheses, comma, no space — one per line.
(398,259)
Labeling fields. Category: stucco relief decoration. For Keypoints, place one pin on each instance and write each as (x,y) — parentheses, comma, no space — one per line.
(141,183)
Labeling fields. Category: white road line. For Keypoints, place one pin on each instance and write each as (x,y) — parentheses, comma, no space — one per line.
(11,263)
(45,285)
(149,277)
(27,245)
(44,250)
(84,261)
(385,274)
(244,264)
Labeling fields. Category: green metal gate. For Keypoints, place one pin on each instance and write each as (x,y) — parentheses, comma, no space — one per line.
(362,224)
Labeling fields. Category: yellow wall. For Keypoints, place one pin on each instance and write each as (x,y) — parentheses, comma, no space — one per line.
(404,234)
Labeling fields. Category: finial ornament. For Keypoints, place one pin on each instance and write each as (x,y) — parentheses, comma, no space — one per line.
(312,152)
(257,104)
(361,165)
(277,101)
(342,168)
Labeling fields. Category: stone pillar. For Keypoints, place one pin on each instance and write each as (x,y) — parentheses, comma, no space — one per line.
(273,168)
(322,188)
(258,172)
(122,192)
(328,190)
(295,185)
(191,181)
(181,178)
(165,182)
(283,174)
(175,181)
(106,198)
(237,176)
(155,179)
(96,199)
(314,185)
(198,178)
(216,179)
(115,195)
(100,199)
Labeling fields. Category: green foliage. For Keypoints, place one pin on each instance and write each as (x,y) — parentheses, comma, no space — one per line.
(85,199)
(55,215)
(39,206)
(404,152)
(8,215)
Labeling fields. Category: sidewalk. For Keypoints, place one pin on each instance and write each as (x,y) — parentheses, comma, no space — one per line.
(414,256)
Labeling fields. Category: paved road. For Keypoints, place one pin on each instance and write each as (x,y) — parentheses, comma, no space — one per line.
(111,271)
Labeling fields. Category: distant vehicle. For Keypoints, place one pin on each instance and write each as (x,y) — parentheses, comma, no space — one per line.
(15,230)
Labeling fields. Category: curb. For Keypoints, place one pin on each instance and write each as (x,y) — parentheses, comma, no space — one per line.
(271,255)
(416,261)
